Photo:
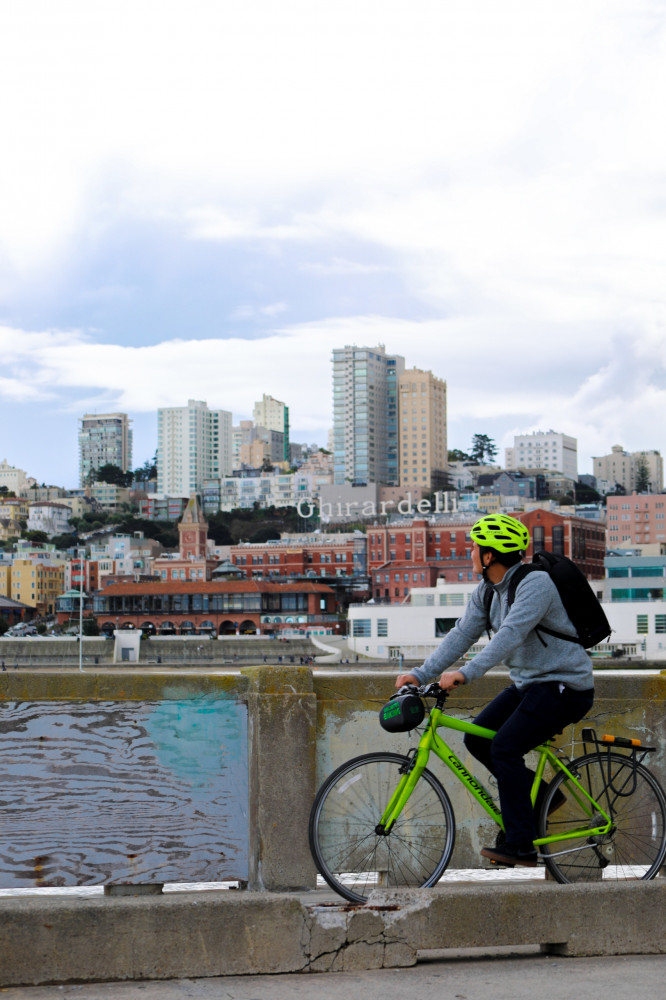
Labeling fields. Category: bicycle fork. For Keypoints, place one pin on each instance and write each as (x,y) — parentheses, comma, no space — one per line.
(412,771)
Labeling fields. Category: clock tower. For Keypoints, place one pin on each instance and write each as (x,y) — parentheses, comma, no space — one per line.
(193,531)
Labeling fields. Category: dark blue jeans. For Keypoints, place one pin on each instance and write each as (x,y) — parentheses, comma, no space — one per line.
(523,719)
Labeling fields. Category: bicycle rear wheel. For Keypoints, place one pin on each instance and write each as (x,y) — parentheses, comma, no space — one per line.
(349,852)
(635,846)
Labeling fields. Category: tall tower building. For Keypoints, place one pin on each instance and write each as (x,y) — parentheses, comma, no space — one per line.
(104,439)
(423,441)
(365,415)
(193,444)
(193,531)
(274,416)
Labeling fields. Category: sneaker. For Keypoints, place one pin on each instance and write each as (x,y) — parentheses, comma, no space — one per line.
(510,856)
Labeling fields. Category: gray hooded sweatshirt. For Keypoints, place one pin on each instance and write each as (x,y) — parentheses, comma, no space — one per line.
(515,641)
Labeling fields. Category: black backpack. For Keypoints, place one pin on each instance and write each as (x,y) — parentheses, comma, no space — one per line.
(578,598)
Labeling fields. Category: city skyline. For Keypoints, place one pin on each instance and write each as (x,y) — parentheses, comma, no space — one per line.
(477,188)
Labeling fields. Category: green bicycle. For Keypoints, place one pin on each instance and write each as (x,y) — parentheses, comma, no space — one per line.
(384,820)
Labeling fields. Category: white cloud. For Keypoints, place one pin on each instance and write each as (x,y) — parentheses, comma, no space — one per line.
(507,159)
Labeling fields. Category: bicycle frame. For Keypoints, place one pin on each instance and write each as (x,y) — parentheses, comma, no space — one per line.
(431,742)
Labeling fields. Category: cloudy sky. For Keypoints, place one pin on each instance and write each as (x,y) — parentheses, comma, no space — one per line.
(201,198)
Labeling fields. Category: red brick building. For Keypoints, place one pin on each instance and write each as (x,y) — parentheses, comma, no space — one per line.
(411,554)
(580,539)
(219,607)
(402,557)
(320,556)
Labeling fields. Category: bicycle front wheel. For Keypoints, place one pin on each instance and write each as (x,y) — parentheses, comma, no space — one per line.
(635,845)
(348,850)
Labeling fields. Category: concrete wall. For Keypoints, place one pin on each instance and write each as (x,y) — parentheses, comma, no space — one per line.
(134,776)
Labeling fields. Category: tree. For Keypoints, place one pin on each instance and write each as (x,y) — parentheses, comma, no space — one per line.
(642,476)
(218,529)
(66,541)
(147,471)
(37,537)
(456,455)
(266,533)
(113,475)
(90,626)
(586,494)
(483,448)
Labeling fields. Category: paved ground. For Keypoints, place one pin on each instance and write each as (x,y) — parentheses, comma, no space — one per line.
(507,976)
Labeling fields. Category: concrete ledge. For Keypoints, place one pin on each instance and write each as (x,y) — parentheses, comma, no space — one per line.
(199,934)
(625,918)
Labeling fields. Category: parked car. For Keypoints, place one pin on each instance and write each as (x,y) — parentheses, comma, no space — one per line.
(21,631)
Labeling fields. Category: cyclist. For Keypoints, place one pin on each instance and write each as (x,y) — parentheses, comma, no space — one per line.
(551,687)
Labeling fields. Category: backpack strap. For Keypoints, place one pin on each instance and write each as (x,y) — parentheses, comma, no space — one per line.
(487,601)
(517,577)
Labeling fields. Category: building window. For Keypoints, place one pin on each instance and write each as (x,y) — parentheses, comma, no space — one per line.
(443,625)
(382,628)
(642,624)
(558,539)
(361,627)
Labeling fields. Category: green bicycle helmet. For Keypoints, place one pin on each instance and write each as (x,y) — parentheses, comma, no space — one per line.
(501,533)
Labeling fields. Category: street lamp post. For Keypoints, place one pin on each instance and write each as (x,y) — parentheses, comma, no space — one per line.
(81,610)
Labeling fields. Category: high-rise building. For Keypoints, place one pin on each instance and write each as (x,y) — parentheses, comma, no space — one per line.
(274,416)
(193,444)
(365,415)
(626,469)
(104,439)
(423,443)
(544,450)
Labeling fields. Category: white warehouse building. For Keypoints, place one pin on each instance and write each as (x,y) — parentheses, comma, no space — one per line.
(413,630)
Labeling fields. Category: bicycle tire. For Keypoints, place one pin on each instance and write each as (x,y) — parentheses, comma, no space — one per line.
(635,847)
(349,853)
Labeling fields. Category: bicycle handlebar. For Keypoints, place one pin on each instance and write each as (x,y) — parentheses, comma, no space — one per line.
(424,691)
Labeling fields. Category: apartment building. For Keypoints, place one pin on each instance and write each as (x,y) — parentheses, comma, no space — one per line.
(624,468)
(270,490)
(544,450)
(13,516)
(13,479)
(365,415)
(423,441)
(37,583)
(274,416)
(104,439)
(636,520)
(51,518)
(193,444)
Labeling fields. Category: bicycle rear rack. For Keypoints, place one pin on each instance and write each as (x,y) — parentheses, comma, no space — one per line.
(606,744)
